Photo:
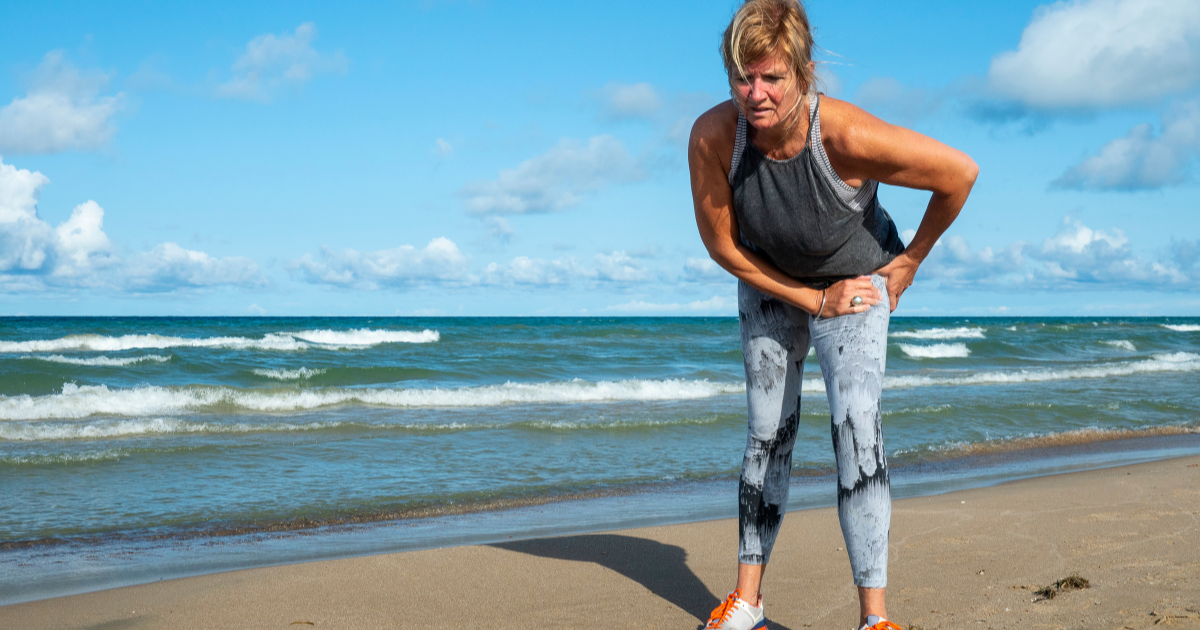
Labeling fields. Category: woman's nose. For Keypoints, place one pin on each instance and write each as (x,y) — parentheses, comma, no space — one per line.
(756,90)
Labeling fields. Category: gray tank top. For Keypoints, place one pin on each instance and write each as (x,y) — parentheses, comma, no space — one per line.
(802,217)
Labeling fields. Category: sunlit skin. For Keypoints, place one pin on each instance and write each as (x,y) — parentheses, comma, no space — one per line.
(860,147)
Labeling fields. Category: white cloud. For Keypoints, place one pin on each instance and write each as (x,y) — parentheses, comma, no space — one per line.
(523,270)
(1142,160)
(77,253)
(25,240)
(620,267)
(273,63)
(1076,257)
(438,262)
(715,304)
(62,111)
(1085,54)
(704,270)
(82,245)
(554,180)
(617,267)
(499,228)
(169,267)
(626,101)
(442,148)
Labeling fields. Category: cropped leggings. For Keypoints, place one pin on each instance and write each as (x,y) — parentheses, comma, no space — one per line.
(852,351)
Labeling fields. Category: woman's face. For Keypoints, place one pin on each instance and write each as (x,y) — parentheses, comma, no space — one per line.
(768,91)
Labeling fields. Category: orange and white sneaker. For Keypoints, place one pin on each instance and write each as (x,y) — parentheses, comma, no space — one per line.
(875,622)
(736,614)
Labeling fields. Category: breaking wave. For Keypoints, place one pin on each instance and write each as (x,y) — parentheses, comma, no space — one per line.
(77,401)
(940,333)
(1122,344)
(328,339)
(937,351)
(290,375)
(1175,362)
(1182,327)
(102,361)
(111,428)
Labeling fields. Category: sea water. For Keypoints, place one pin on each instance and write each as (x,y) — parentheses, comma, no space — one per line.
(138,448)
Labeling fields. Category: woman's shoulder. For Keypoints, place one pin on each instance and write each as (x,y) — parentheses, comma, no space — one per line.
(846,128)
(715,129)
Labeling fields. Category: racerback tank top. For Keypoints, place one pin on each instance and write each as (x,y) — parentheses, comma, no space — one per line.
(802,217)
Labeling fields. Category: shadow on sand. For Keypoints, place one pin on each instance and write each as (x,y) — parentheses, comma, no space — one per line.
(660,568)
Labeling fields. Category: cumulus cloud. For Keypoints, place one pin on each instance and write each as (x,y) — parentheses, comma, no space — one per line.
(1141,159)
(82,247)
(438,262)
(273,63)
(616,267)
(715,304)
(523,270)
(77,253)
(629,101)
(63,110)
(169,267)
(554,180)
(1086,54)
(620,267)
(1076,257)
(704,270)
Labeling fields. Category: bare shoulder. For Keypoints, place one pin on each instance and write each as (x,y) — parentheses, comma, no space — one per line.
(849,130)
(713,133)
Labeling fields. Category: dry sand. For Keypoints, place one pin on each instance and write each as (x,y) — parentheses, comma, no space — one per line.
(969,559)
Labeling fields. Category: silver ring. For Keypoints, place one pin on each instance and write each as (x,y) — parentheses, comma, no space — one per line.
(857,301)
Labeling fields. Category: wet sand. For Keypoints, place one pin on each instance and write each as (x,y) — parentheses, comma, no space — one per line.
(968,559)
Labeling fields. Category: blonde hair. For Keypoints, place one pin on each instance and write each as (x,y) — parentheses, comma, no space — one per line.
(764,27)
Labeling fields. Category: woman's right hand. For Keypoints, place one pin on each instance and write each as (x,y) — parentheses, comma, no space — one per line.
(839,295)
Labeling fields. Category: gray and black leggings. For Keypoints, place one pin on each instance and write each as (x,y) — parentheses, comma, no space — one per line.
(852,350)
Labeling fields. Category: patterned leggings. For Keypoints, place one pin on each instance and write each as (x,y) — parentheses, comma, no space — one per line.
(852,350)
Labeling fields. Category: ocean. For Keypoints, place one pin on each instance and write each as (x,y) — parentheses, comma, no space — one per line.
(135,449)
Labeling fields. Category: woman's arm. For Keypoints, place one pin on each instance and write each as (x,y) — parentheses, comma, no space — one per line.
(861,146)
(709,153)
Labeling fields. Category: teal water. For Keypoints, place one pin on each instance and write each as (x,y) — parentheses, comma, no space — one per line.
(131,429)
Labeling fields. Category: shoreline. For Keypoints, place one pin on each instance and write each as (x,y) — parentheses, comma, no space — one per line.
(959,558)
(37,572)
(1011,455)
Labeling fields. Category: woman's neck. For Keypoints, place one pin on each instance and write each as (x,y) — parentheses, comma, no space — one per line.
(786,139)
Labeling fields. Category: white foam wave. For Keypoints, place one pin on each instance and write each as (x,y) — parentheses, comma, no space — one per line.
(83,401)
(102,361)
(1182,327)
(1123,344)
(22,431)
(937,351)
(329,339)
(940,333)
(64,458)
(290,375)
(1176,362)
(89,400)
(365,337)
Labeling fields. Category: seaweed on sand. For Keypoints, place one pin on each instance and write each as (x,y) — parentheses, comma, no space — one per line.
(1073,582)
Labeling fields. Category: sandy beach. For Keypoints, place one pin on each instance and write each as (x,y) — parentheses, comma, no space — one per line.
(969,559)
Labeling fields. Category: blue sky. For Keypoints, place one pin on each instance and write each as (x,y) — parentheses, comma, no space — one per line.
(519,158)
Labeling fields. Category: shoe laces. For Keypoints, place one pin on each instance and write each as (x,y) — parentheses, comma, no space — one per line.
(883,625)
(722,613)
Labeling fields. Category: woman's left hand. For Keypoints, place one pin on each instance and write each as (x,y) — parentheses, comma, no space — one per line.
(899,275)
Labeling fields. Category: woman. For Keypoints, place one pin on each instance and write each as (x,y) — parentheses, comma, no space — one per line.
(784,183)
